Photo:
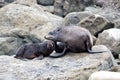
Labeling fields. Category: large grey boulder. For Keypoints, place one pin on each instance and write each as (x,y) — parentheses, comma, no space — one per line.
(93,9)
(26,2)
(110,38)
(110,13)
(12,40)
(117,23)
(63,7)
(5,2)
(73,66)
(110,9)
(52,23)
(107,75)
(48,8)
(28,16)
(45,2)
(75,17)
(95,24)
(99,3)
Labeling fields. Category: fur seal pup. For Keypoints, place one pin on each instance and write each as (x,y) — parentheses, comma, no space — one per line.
(35,50)
(75,38)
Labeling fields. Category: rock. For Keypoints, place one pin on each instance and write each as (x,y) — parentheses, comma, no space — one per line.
(45,2)
(88,2)
(111,39)
(63,7)
(75,17)
(9,1)
(99,2)
(94,39)
(8,45)
(115,68)
(118,60)
(95,24)
(11,41)
(110,9)
(113,4)
(5,2)
(42,30)
(26,2)
(48,8)
(73,66)
(59,7)
(2,4)
(110,13)
(15,15)
(105,75)
(92,9)
(117,23)
(28,18)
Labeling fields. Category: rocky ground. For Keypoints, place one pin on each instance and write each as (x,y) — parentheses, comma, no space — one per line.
(28,21)
(73,66)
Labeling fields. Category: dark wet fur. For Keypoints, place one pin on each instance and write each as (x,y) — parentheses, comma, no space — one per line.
(33,50)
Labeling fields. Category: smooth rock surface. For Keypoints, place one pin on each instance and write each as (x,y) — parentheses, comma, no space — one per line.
(95,24)
(63,7)
(117,23)
(73,66)
(105,75)
(29,18)
(75,17)
(45,2)
(12,40)
(111,39)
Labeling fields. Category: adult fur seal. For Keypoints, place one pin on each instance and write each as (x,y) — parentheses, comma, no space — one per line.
(35,50)
(75,38)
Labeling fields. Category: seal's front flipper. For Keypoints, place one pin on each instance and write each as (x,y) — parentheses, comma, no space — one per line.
(57,55)
(39,58)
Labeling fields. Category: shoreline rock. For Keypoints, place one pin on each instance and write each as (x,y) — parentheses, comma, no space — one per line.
(73,66)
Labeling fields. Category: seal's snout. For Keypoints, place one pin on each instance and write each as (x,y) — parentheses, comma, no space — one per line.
(49,37)
(46,37)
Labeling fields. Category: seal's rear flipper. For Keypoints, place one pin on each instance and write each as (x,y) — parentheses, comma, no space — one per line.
(91,51)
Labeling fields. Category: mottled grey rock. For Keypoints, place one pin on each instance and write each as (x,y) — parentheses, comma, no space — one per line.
(116,68)
(48,8)
(75,17)
(105,75)
(63,7)
(45,2)
(117,23)
(111,9)
(29,18)
(110,13)
(5,2)
(111,39)
(95,24)
(11,41)
(73,66)
(93,9)
(26,2)
(99,2)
